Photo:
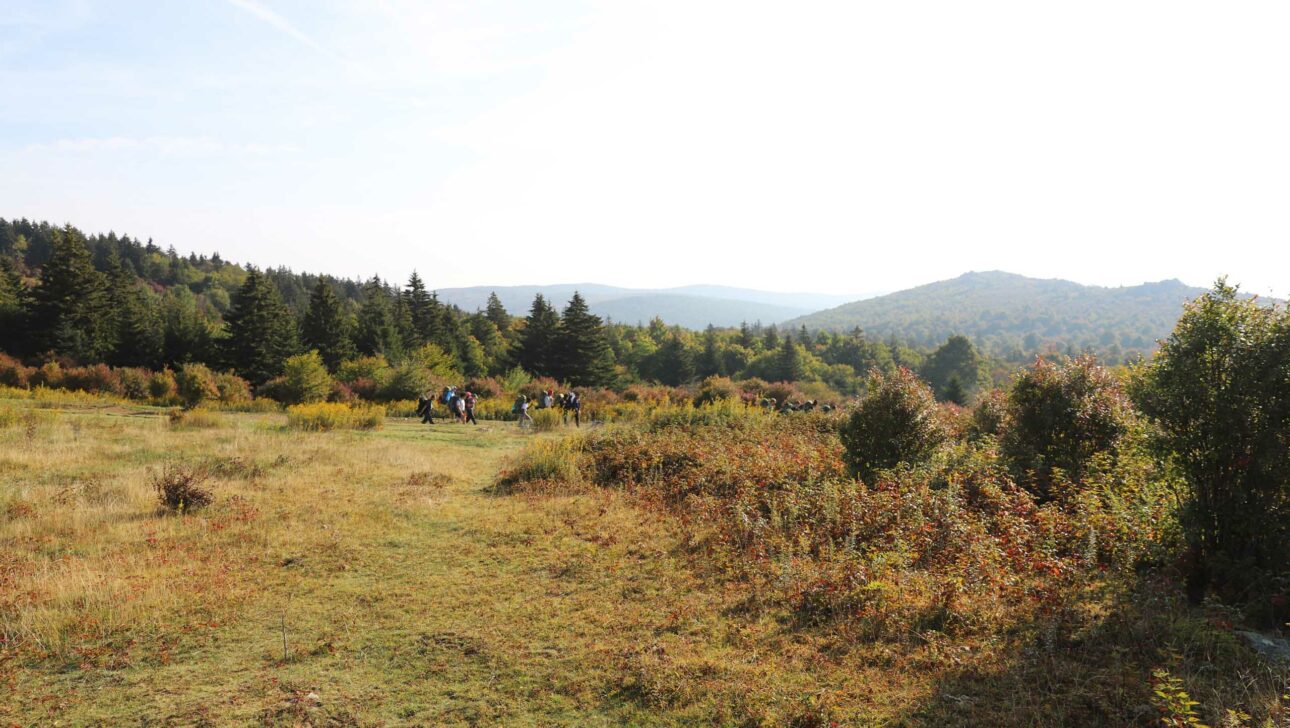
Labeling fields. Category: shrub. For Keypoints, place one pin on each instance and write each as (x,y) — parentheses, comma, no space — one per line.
(371,369)
(232,389)
(988,416)
(193,419)
(896,421)
(485,387)
(95,379)
(340,392)
(715,389)
(134,382)
(13,373)
(514,380)
(1058,417)
(195,384)
(49,375)
(1219,393)
(304,379)
(546,419)
(406,381)
(542,464)
(535,387)
(182,488)
(162,386)
(8,417)
(782,392)
(324,416)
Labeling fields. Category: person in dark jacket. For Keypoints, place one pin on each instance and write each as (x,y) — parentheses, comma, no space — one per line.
(425,408)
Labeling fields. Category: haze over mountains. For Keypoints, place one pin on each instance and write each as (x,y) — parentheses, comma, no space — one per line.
(693,307)
(1009,314)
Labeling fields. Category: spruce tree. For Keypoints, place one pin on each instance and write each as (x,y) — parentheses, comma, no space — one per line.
(139,337)
(260,330)
(71,315)
(376,332)
(496,313)
(673,363)
(792,367)
(710,362)
(15,302)
(186,333)
(423,312)
(536,349)
(326,328)
(583,356)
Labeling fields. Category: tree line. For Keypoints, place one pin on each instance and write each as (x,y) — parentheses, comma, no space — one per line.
(119,301)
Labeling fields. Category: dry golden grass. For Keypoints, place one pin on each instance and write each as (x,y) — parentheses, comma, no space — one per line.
(343,578)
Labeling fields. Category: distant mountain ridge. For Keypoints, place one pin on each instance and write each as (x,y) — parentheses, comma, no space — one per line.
(693,307)
(1010,314)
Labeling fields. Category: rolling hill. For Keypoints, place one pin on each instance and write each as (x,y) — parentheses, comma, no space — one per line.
(1013,315)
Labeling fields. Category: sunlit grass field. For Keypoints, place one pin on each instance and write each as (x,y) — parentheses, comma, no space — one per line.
(345,578)
(378,577)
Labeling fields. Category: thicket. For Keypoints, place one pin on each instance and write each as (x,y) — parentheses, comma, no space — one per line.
(1053,509)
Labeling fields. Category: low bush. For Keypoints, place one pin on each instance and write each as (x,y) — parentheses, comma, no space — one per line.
(715,389)
(95,379)
(324,416)
(545,420)
(162,386)
(1060,416)
(195,384)
(134,382)
(181,488)
(543,465)
(896,421)
(193,419)
(232,389)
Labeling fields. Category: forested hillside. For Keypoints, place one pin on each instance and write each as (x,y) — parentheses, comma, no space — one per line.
(1012,316)
(115,300)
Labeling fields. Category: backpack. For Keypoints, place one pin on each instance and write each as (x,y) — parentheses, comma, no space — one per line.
(515,410)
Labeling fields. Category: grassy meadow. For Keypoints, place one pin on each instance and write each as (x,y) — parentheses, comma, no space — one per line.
(384,577)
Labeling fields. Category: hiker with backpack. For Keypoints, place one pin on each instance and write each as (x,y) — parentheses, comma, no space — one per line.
(425,408)
(521,408)
(573,403)
(469,399)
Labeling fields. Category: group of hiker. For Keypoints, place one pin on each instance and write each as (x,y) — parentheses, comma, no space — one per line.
(772,405)
(569,404)
(460,403)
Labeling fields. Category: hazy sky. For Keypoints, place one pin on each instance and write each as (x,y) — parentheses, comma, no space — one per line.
(844,147)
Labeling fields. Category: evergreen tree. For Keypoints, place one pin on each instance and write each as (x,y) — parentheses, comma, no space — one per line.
(496,313)
(186,333)
(792,366)
(956,359)
(261,332)
(139,337)
(770,341)
(746,338)
(14,305)
(326,328)
(376,332)
(673,363)
(483,330)
(71,315)
(401,311)
(710,362)
(535,351)
(583,356)
(424,316)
